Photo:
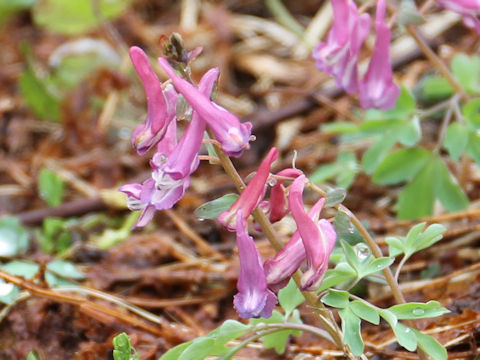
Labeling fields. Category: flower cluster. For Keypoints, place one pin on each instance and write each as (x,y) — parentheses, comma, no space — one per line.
(174,161)
(313,242)
(338,56)
(469,9)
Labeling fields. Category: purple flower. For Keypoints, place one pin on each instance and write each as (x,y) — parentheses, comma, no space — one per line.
(318,238)
(251,196)
(172,165)
(469,9)
(253,298)
(232,135)
(160,104)
(280,268)
(338,56)
(377,89)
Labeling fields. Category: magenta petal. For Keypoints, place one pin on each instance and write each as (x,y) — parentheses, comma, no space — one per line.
(184,161)
(253,298)
(469,9)
(252,195)
(145,217)
(281,267)
(132,190)
(277,205)
(148,134)
(317,240)
(229,131)
(377,88)
(338,56)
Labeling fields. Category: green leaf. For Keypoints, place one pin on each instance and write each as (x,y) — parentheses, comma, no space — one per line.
(278,340)
(415,239)
(21,268)
(410,133)
(376,265)
(175,352)
(467,71)
(366,312)
(401,165)
(336,298)
(456,140)
(404,107)
(430,236)
(389,317)
(417,198)
(65,269)
(412,236)
(8,292)
(290,297)
(74,17)
(199,349)
(13,237)
(333,277)
(344,170)
(405,336)
(122,349)
(447,189)
(50,187)
(435,88)
(431,346)
(418,310)
(31,356)
(340,127)
(376,153)
(213,209)
(409,14)
(230,330)
(473,147)
(345,229)
(395,246)
(335,197)
(471,113)
(351,330)
(37,96)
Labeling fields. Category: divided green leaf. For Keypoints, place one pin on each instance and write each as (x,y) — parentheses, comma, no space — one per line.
(213,209)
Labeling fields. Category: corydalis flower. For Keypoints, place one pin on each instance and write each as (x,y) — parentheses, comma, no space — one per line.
(160,104)
(251,196)
(172,165)
(377,89)
(253,298)
(233,135)
(281,267)
(338,56)
(318,238)
(277,206)
(469,9)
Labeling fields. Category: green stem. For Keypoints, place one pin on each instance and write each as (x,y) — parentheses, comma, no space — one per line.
(283,16)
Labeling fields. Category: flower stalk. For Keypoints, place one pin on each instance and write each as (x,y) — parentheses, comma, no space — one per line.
(325,316)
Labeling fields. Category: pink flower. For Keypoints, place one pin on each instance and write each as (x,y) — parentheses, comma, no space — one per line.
(338,56)
(277,206)
(377,89)
(251,196)
(318,238)
(160,103)
(280,268)
(254,299)
(233,135)
(172,165)
(469,9)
